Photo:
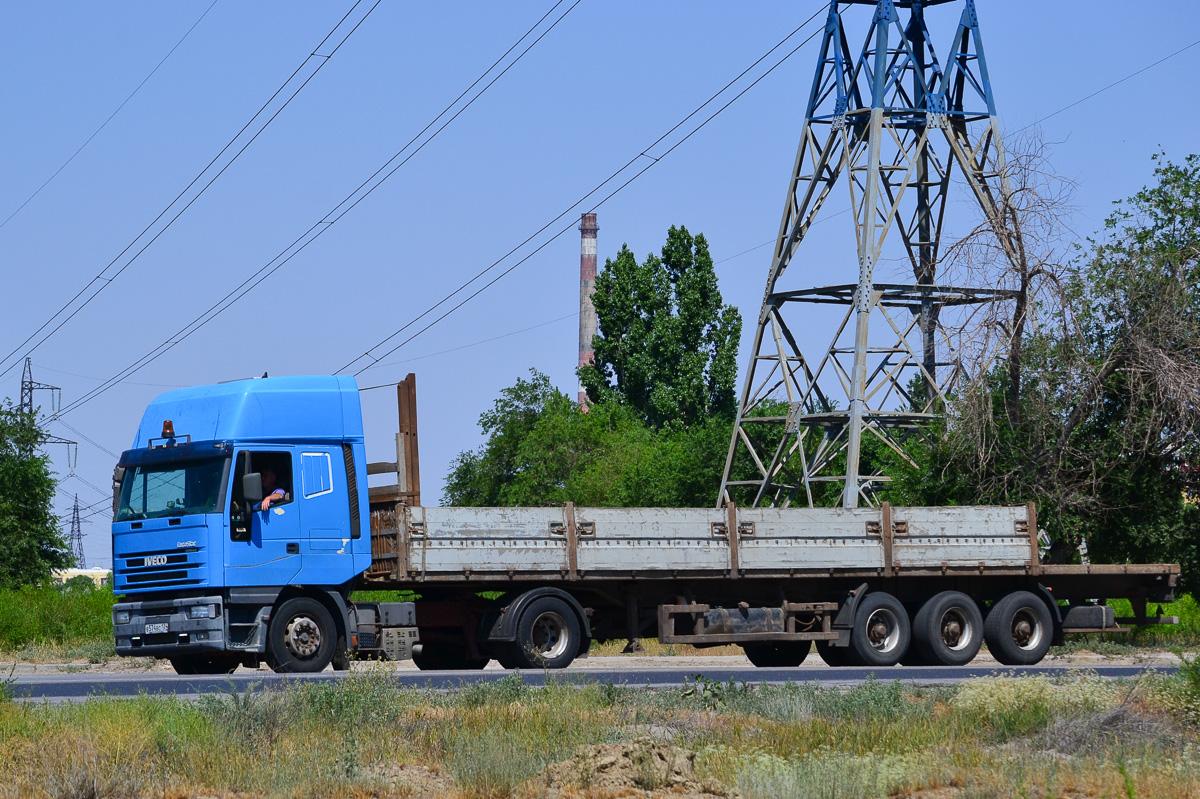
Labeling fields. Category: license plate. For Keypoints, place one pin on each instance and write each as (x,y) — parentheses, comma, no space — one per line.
(162,627)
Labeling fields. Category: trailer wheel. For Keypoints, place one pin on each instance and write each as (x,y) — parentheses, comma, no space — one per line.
(441,660)
(777,654)
(835,655)
(1018,629)
(548,637)
(881,631)
(301,637)
(947,630)
(204,665)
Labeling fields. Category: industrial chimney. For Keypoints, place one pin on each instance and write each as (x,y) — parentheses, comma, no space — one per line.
(587,287)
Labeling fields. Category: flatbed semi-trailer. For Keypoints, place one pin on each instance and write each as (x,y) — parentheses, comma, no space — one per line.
(211,579)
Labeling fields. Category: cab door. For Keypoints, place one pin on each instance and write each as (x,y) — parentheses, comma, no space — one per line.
(263,547)
(324,504)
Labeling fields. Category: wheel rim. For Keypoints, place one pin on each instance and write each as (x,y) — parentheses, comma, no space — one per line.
(302,637)
(883,630)
(956,629)
(550,638)
(1026,629)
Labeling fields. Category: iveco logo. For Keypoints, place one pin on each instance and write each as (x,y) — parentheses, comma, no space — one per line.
(155,560)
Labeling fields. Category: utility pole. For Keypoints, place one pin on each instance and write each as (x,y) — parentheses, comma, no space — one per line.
(892,123)
(75,537)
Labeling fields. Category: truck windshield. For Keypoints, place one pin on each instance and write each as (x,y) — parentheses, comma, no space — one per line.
(171,489)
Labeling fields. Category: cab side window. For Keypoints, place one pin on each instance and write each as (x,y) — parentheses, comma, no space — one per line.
(276,466)
(276,471)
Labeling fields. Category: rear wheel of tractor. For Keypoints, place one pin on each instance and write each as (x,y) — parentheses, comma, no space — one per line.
(881,631)
(548,637)
(302,637)
(777,654)
(947,630)
(204,665)
(1019,629)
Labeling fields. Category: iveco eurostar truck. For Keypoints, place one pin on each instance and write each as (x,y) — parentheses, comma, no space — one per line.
(211,577)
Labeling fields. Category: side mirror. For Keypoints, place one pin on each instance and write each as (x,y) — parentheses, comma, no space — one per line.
(252,488)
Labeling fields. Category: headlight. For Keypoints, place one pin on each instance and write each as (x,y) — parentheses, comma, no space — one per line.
(121,617)
(201,612)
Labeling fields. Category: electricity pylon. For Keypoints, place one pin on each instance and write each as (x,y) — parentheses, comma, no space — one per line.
(893,123)
(75,537)
(28,386)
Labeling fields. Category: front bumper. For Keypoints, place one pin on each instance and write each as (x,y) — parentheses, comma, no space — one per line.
(181,635)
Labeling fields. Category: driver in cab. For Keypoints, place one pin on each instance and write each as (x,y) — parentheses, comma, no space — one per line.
(272,492)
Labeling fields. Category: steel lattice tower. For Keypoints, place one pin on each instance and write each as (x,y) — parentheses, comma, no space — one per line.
(75,537)
(892,123)
(28,386)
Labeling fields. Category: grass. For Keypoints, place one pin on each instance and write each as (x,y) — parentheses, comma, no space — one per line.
(74,619)
(367,736)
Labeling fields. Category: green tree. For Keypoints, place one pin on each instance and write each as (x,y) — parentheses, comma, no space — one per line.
(1105,434)
(542,449)
(668,344)
(30,542)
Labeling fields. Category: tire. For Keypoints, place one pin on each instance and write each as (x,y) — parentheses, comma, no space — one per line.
(1019,629)
(947,630)
(302,637)
(882,632)
(778,654)
(341,656)
(835,655)
(445,660)
(548,636)
(204,665)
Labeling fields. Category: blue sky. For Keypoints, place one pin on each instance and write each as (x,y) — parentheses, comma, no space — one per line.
(599,88)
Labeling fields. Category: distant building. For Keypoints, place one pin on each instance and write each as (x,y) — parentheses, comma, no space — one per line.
(97,575)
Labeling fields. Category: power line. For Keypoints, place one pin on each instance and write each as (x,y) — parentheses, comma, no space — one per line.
(325,222)
(643,154)
(95,444)
(75,476)
(104,124)
(1020,130)
(337,212)
(100,379)
(752,249)
(1110,86)
(106,280)
(467,346)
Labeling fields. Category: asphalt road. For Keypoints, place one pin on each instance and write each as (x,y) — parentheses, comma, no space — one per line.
(81,686)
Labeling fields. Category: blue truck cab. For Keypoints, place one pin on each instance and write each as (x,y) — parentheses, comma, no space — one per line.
(210,577)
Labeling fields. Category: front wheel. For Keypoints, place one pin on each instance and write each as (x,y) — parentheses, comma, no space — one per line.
(777,654)
(302,637)
(548,637)
(881,631)
(1019,630)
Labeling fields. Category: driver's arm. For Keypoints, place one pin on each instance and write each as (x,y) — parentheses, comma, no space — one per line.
(274,496)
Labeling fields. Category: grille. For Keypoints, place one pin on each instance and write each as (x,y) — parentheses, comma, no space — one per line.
(169,569)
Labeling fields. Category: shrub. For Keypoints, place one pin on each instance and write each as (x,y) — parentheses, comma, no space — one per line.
(73,614)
